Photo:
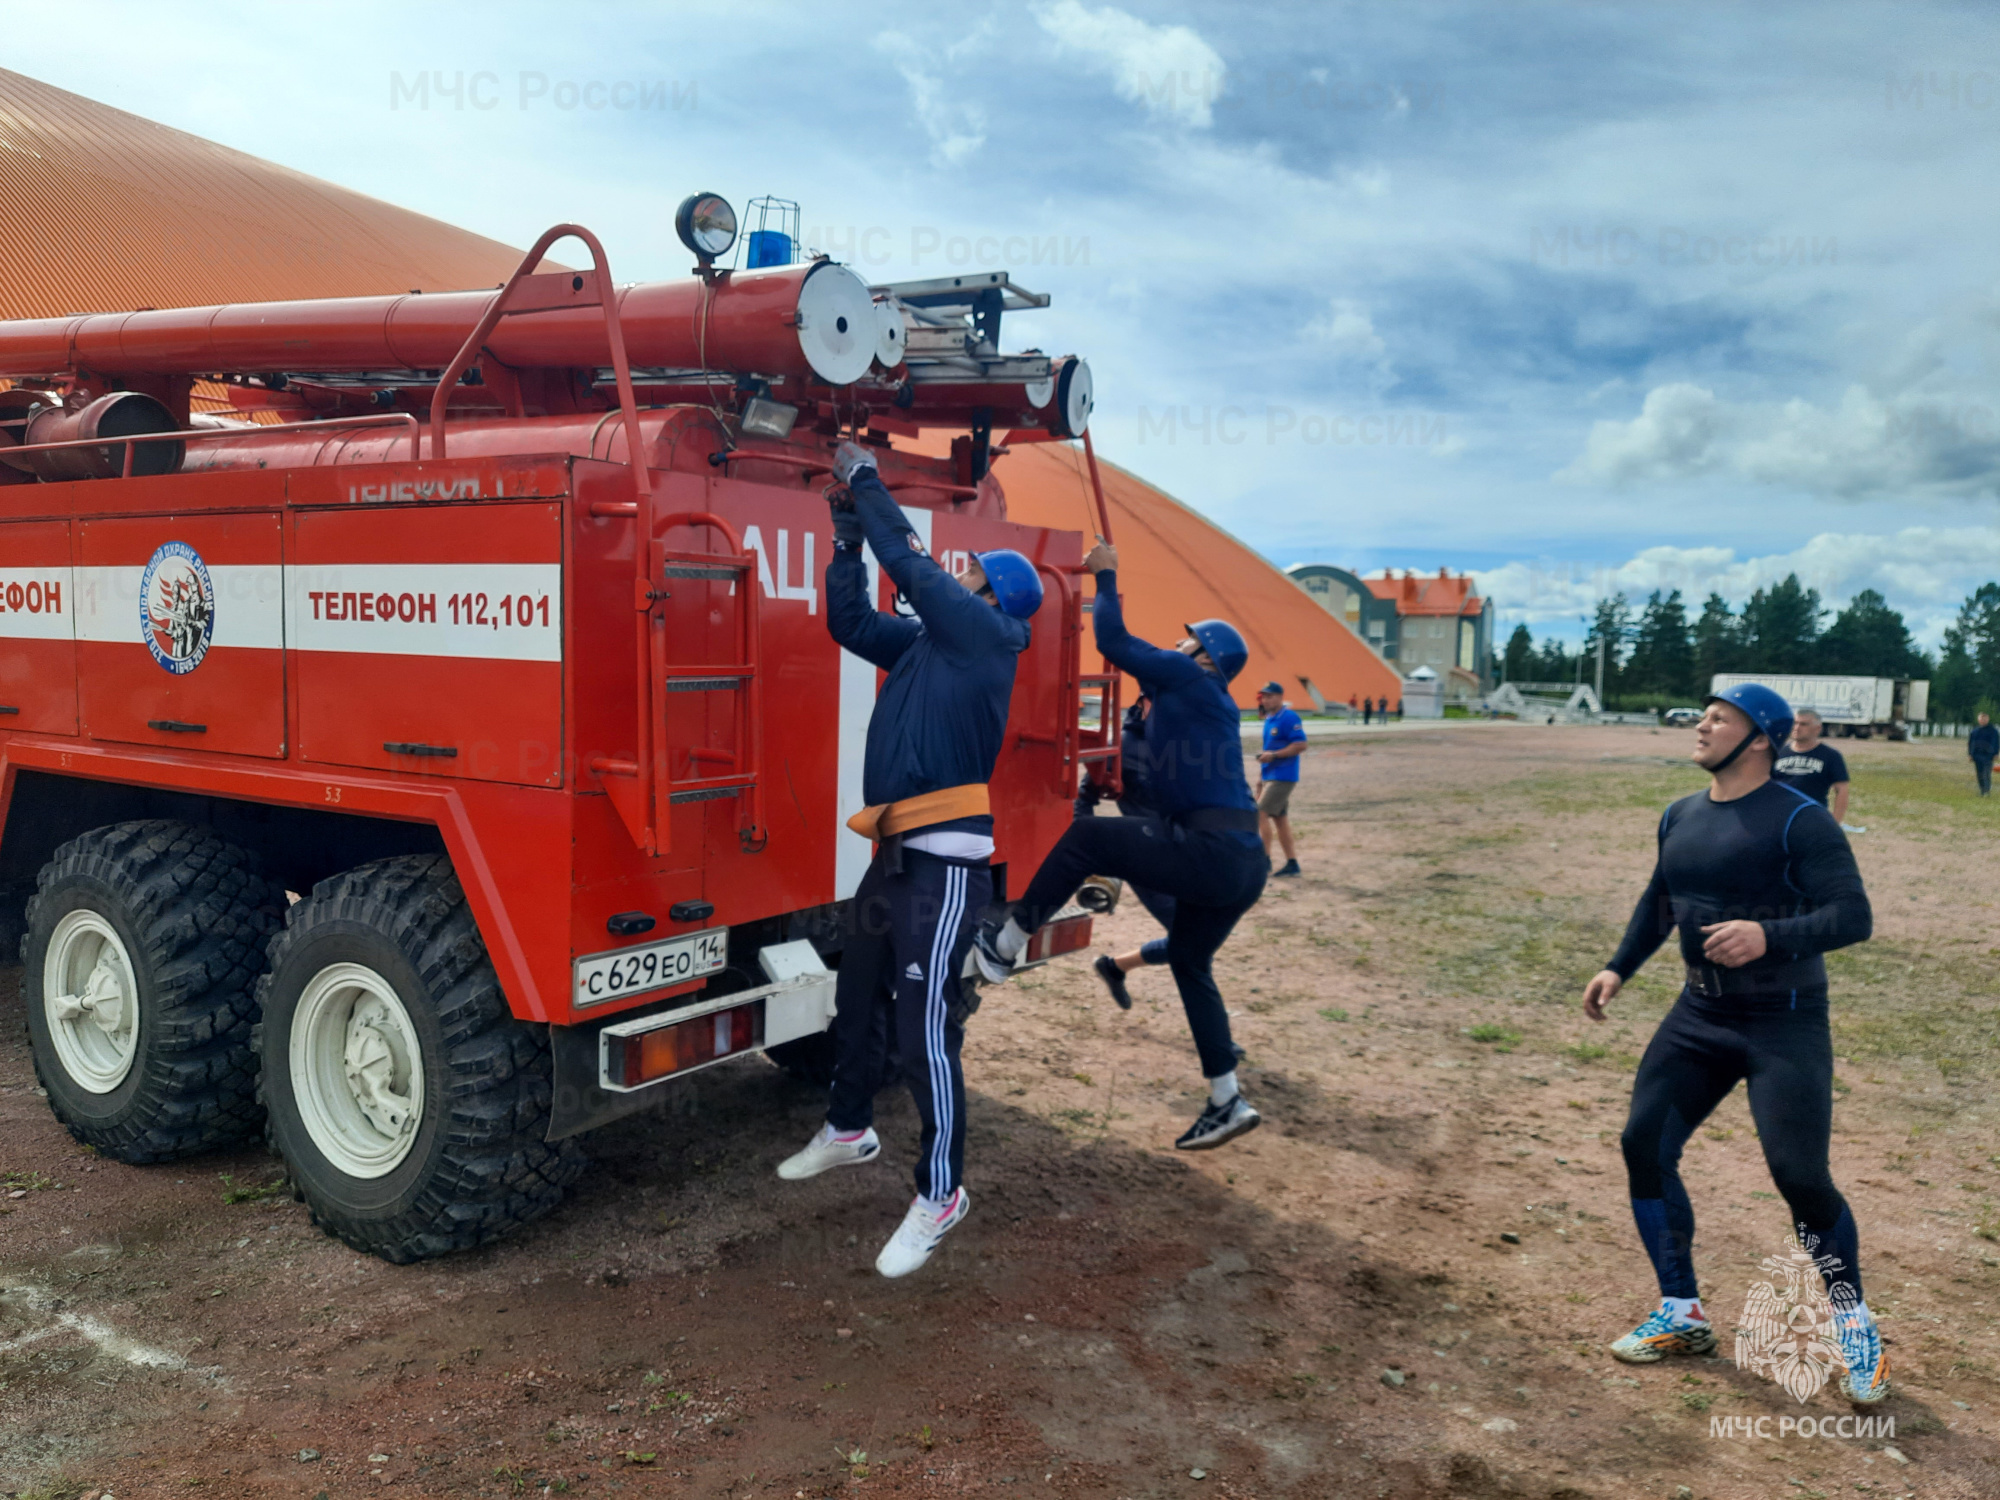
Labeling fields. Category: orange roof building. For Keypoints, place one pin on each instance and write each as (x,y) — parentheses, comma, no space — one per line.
(1412,620)
(108,212)
(1178,566)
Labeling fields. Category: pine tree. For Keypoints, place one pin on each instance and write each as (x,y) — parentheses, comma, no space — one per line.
(1718,642)
(1781,627)
(1968,675)
(1613,622)
(1518,663)
(1662,658)
(1869,639)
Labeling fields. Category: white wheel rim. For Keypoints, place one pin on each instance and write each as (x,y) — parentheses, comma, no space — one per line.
(91,999)
(357,1070)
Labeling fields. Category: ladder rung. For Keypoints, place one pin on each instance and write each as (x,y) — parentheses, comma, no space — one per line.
(702,570)
(705,794)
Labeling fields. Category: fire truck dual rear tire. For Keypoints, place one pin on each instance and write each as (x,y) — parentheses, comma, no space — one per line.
(409,1105)
(144,944)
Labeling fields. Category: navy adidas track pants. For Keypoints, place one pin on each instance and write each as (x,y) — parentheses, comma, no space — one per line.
(900,969)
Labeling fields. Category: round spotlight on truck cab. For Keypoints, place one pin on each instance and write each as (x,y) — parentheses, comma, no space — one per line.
(706,224)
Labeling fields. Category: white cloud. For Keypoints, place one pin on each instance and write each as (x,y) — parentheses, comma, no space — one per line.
(956,128)
(1923,571)
(1934,442)
(1347,331)
(1168,69)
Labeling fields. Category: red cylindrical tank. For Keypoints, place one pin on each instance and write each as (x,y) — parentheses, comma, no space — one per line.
(118,415)
(815,321)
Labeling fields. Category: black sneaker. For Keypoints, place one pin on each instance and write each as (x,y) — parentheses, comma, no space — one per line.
(1114,980)
(1219,1123)
(1291,868)
(986,957)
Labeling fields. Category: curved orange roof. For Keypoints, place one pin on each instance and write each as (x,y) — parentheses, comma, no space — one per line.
(107,212)
(1178,566)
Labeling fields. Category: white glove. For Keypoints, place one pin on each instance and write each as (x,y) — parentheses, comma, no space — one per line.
(850,459)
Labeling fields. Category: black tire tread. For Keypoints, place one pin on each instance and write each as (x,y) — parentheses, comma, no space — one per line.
(206,913)
(496,1172)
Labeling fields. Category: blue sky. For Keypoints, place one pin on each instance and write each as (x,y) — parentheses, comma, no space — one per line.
(1581,297)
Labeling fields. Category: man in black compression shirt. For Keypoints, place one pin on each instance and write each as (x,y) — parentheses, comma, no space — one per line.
(1755,881)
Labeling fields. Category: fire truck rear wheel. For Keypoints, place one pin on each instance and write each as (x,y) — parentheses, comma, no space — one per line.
(408,1103)
(140,963)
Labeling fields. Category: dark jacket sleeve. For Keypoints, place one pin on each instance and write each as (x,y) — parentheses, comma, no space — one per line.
(1822,866)
(1151,664)
(1651,925)
(852,618)
(958,624)
(1652,919)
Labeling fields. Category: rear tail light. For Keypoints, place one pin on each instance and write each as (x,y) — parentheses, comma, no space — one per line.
(1068,931)
(635,1057)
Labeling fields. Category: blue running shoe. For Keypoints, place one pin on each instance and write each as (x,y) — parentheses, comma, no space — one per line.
(1662,1334)
(1867,1379)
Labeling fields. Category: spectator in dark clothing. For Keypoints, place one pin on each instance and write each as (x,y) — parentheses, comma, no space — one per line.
(1812,766)
(1368,710)
(1982,745)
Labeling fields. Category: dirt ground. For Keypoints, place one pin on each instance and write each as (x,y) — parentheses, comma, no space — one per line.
(1400,1286)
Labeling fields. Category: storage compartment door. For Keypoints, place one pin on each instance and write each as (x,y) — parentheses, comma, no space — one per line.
(180,631)
(37,628)
(429,638)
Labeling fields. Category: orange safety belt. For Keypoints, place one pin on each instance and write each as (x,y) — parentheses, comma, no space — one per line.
(886,819)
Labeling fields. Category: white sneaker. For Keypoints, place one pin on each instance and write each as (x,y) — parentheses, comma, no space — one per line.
(919,1234)
(823,1151)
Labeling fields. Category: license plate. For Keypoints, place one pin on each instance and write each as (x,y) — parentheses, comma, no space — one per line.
(604,977)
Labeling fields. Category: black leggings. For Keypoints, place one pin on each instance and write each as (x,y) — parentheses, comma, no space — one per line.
(1213,879)
(1702,1049)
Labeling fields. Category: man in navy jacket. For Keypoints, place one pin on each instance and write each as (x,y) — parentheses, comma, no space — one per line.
(1201,848)
(933,739)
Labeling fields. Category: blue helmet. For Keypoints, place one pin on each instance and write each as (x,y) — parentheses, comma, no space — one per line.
(1769,714)
(1224,644)
(1016,585)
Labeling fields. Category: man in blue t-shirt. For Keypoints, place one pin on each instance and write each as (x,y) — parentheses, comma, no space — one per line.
(1284,743)
(1813,766)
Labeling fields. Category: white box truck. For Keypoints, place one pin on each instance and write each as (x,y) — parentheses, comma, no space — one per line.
(1852,707)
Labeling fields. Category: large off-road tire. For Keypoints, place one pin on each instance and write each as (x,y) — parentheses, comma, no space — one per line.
(408,1103)
(140,963)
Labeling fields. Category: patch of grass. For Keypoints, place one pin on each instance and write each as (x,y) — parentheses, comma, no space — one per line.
(235,1192)
(1331,1013)
(26,1182)
(1586,1052)
(1697,1400)
(1503,1038)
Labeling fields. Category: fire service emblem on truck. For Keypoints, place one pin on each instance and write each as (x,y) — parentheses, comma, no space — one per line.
(177,608)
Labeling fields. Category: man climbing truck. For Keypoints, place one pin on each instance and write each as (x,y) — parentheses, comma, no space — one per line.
(436,771)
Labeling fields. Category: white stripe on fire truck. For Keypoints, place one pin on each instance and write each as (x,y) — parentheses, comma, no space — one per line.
(36,603)
(500,611)
(249,606)
(857,702)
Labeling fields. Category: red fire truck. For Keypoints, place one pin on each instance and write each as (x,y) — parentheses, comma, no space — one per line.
(431,753)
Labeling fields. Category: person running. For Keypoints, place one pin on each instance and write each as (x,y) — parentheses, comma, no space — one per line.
(1284,743)
(1812,766)
(1201,849)
(1982,745)
(932,742)
(1757,882)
